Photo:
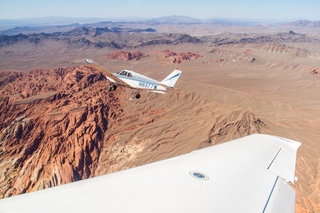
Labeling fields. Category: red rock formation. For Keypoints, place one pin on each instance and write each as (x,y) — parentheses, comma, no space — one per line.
(218,60)
(179,57)
(186,56)
(167,53)
(176,61)
(127,56)
(53,139)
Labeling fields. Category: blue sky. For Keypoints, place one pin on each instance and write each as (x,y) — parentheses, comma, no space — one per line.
(202,9)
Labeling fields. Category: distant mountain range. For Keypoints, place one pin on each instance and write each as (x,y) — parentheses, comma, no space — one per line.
(59,20)
(303,23)
(63,24)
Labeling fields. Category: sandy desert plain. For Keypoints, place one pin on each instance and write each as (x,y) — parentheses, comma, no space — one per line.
(59,124)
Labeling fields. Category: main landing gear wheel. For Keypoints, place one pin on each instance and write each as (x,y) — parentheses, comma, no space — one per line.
(137,96)
(112,87)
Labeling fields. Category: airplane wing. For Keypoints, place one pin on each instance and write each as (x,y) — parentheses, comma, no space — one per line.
(249,174)
(107,73)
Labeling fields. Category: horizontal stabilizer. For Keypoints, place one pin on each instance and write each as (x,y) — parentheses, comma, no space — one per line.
(155,91)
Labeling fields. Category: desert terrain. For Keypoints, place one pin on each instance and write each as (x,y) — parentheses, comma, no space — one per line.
(59,124)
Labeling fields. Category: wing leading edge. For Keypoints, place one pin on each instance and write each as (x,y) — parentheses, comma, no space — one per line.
(243,175)
(106,73)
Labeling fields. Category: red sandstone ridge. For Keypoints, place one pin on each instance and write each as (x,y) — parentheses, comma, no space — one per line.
(186,56)
(127,56)
(179,57)
(52,126)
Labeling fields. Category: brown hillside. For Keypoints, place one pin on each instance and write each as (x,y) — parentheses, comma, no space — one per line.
(61,125)
(126,56)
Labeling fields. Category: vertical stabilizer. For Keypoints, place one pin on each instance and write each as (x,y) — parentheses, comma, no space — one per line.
(172,79)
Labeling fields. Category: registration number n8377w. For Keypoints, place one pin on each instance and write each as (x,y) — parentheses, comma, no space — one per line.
(147,85)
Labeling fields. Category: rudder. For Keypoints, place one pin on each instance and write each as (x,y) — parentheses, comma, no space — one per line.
(172,79)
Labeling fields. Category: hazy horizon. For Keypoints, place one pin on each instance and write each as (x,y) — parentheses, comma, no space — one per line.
(64,21)
(203,9)
(137,18)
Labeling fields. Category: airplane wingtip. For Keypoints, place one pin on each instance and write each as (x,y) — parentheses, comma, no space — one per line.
(89,61)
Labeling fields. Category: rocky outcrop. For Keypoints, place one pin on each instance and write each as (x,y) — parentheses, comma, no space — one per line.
(235,56)
(178,58)
(248,40)
(53,140)
(186,56)
(9,40)
(218,60)
(245,123)
(166,53)
(15,129)
(8,77)
(127,56)
(283,49)
(171,39)
(315,72)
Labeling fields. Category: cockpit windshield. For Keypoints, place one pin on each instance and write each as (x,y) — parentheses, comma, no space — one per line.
(125,73)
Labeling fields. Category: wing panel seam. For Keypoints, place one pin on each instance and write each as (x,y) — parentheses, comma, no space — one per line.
(264,209)
(274,158)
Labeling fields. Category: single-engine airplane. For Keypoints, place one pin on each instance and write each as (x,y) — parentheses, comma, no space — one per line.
(137,81)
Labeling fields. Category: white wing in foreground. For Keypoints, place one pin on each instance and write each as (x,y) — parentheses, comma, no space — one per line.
(244,175)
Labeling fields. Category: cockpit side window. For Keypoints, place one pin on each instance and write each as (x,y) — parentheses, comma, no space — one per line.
(125,73)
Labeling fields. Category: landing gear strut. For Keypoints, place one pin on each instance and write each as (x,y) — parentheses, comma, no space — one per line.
(137,95)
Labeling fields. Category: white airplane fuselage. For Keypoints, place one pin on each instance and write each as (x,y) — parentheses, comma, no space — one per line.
(138,81)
